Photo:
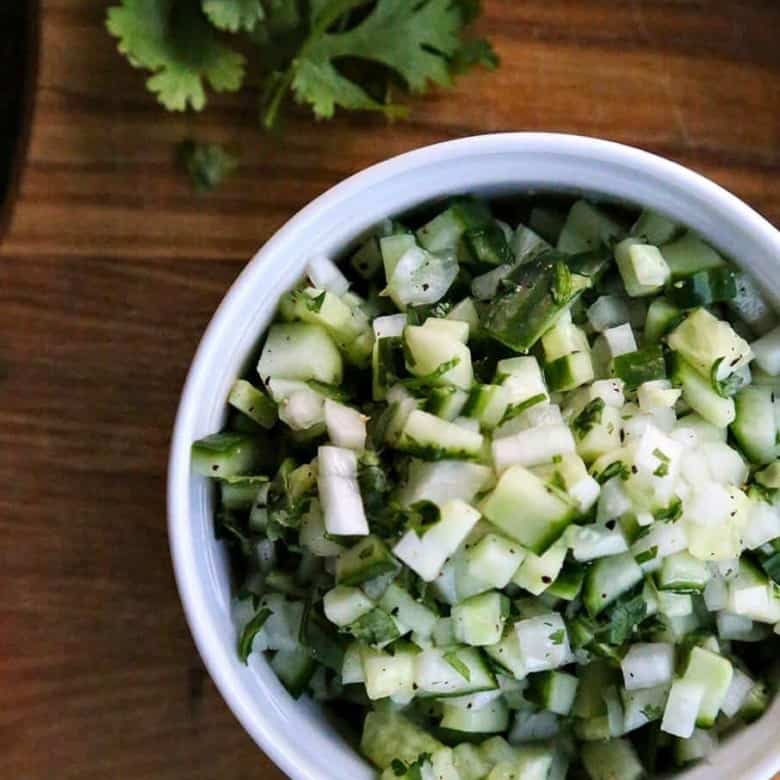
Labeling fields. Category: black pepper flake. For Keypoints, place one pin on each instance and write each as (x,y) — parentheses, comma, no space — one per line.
(546,579)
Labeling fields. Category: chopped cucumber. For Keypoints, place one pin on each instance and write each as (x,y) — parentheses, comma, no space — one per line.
(548,511)
(540,523)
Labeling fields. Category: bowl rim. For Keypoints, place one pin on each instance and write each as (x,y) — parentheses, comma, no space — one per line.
(211,648)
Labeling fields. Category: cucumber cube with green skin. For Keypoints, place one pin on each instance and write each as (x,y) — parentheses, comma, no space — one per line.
(699,394)
(554,691)
(466,311)
(754,425)
(767,352)
(642,267)
(537,572)
(662,316)
(689,254)
(446,402)
(528,510)
(655,228)
(493,560)
(479,621)
(563,339)
(490,719)
(704,288)
(770,476)
(683,573)
(452,671)
(507,654)
(224,454)
(428,437)
(608,579)
(344,605)
(369,558)
(410,613)
(255,404)
(294,667)
(568,584)
(469,762)
(614,759)
(569,372)
(430,348)
(710,345)
(240,493)
(488,404)
(531,763)
(387,675)
(644,365)
(520,317)
(713,673)
(388,735)
(487,244)
(587,228)
(298,350)
(446,230)
(320,307)
(393,248)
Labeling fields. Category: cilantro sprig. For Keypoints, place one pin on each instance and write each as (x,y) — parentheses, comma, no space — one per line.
(191,47)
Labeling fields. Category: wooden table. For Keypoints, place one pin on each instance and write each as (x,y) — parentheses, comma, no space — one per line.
(112,268)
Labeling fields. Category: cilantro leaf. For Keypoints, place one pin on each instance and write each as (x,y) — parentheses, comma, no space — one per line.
(514,410)
(588,418)
(234,15)
(615,469)
(250,631)
(206,164)
(670,513)
(473,52)
(557,637)
(647,555)
(622,619)
(174,40)
(416,42)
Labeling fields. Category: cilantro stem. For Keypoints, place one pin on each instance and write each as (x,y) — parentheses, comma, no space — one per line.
(328,16)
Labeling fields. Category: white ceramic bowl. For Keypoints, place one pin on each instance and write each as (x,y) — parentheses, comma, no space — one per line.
(295,734)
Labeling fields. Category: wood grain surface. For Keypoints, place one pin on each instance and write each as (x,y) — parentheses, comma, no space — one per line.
(112,267)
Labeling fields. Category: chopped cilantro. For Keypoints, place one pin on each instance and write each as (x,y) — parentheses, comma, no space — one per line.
(622,619)
(615,469)
(647,555)
(588,418)
(251,629)
(557,637)
(670,513)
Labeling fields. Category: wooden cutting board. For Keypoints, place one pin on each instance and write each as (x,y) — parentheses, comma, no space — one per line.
(112,268)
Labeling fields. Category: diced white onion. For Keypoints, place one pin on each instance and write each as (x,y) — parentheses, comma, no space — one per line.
(346,426)
(325,275)
(342,504)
